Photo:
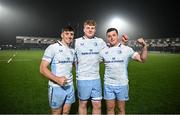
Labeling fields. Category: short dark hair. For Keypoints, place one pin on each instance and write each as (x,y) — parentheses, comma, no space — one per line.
(67,28)
(111,29)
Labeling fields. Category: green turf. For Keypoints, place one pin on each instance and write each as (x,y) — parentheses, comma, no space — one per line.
(153,86)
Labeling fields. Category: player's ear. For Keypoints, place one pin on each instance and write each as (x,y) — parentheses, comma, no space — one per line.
(84,29)
(61,35)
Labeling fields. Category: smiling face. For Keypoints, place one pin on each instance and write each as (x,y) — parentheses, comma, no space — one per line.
(89,31)
(112,37)
(67,37)
(89,28)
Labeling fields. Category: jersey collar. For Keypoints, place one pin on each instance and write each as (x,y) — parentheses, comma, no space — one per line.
(87,38)
(119,45)
(59,42)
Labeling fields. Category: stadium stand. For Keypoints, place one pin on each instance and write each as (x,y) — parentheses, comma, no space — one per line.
(24,42)
(161,44)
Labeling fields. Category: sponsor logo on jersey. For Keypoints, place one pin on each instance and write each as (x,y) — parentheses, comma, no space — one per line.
(69,61)
(89,53)
(114,61)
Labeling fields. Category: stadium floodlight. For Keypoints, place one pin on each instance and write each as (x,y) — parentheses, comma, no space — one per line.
(122,24)
(118,23)
(0,8)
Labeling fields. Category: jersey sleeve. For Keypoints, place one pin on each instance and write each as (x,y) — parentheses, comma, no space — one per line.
(132,53)
(101,55)
(74,55)
(75,44)
(102,44)
(48,54)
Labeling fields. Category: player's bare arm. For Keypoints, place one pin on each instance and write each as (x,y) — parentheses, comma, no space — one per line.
(124,39)
(142,55)
(47,73)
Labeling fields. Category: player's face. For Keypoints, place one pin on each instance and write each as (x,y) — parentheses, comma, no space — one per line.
(89,31)
(67,36)
(112,38)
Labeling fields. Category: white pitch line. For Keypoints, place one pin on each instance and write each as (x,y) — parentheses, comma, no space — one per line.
(9,60)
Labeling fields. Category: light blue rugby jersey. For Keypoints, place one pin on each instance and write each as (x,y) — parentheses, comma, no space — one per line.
(61,59)
(88,57)
(116,61)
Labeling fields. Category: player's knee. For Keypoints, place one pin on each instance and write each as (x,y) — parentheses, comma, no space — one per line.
(121,110)
(82,104)
(66,112)
(56,111)
(97,105)
(110,108)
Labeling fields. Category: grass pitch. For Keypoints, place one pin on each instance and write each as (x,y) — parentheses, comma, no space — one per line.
(153,86)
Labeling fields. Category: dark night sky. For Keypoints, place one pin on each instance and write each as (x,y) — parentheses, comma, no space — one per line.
(151,19)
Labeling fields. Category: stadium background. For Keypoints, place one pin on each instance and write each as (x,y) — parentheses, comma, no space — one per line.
(24,24)
(154,85)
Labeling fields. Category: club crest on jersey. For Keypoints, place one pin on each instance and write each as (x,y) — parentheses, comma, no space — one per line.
(90,50)
(68,58)
(119,51)
(60,50)
(106,52)
(113,58)
(72,53)
(95,44)
(81,44)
